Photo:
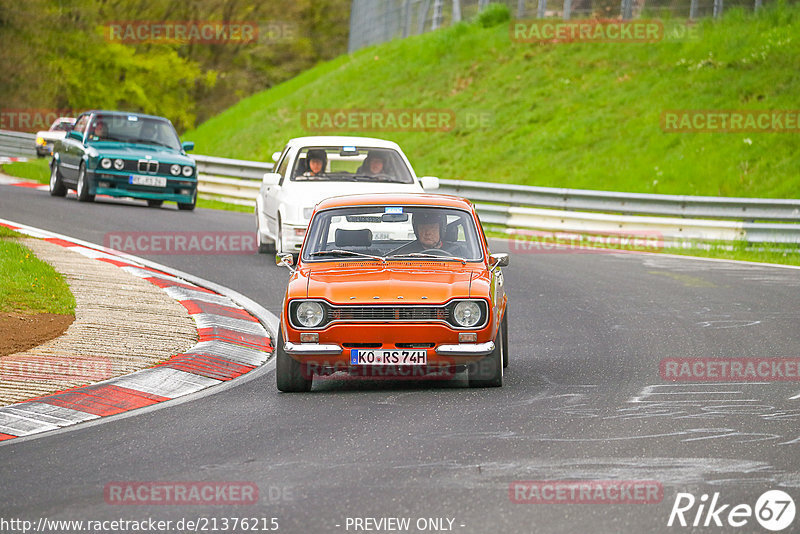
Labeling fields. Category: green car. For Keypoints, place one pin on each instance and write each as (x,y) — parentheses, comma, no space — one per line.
(123,154)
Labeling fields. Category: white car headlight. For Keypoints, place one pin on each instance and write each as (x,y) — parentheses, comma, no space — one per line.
(175,170)
(119,164)
(188,171)
(467,313)
(309,314)
(105,163)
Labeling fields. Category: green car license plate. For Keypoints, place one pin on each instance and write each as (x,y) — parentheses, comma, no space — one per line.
(152,181)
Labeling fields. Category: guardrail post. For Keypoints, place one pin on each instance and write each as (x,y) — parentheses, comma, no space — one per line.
(626,9)
(436,21)
(567,9)
(541,8)
(406,17)
(717,8)
(520,9)
(693,9)
(456,11)
(423,13)
(757,5)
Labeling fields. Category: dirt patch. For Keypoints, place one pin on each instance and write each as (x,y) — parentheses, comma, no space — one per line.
(20,332)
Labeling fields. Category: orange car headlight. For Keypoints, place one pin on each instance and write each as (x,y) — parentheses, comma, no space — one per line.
(467,313)
(309,313)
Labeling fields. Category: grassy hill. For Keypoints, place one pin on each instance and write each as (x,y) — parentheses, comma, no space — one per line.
(579,115)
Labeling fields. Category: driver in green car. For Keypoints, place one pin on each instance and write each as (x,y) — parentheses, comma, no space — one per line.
(99,131)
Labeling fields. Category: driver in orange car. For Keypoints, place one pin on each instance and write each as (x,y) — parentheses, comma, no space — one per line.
(430,227)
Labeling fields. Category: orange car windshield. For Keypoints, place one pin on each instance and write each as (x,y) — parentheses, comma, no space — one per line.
(392,233)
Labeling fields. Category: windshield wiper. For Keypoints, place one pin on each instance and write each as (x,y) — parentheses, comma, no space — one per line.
(381,178)
(150,142)
(340,252)
(424,255)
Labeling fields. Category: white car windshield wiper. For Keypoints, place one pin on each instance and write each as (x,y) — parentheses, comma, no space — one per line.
(424,255)
(339,252)
(380,178)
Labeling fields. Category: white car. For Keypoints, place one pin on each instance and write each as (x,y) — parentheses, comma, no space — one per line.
(311,169)
(46,138)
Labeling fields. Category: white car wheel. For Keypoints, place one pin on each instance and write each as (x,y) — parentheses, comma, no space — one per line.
(263,247)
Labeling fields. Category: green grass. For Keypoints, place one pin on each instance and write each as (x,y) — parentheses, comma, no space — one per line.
(219,205)
(35,170)
(29,285)
(766,253)
(5,231)
(579,115)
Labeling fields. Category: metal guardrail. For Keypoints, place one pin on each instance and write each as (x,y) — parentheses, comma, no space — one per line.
(750,209)
(232,168)
(230,180)
(674,218)
(17,144)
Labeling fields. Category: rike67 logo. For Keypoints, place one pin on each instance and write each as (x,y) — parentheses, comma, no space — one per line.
(774,510)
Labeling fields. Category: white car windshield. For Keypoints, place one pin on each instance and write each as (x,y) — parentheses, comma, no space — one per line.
(350,164)
(392,233)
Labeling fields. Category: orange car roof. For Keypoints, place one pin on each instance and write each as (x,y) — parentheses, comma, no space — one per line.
(380,199)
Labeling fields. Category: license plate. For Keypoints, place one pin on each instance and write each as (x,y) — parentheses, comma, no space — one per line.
(153,181)
(388,357)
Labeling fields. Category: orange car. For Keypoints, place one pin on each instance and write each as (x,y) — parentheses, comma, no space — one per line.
(393,285)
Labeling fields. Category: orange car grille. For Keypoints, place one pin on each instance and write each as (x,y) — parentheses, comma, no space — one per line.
(389,313)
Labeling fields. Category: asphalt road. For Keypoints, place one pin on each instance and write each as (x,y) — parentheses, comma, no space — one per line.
(583,400)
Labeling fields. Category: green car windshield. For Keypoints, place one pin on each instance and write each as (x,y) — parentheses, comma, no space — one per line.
(133,129)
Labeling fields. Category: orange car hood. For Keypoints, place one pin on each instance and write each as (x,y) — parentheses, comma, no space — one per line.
(438,282)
